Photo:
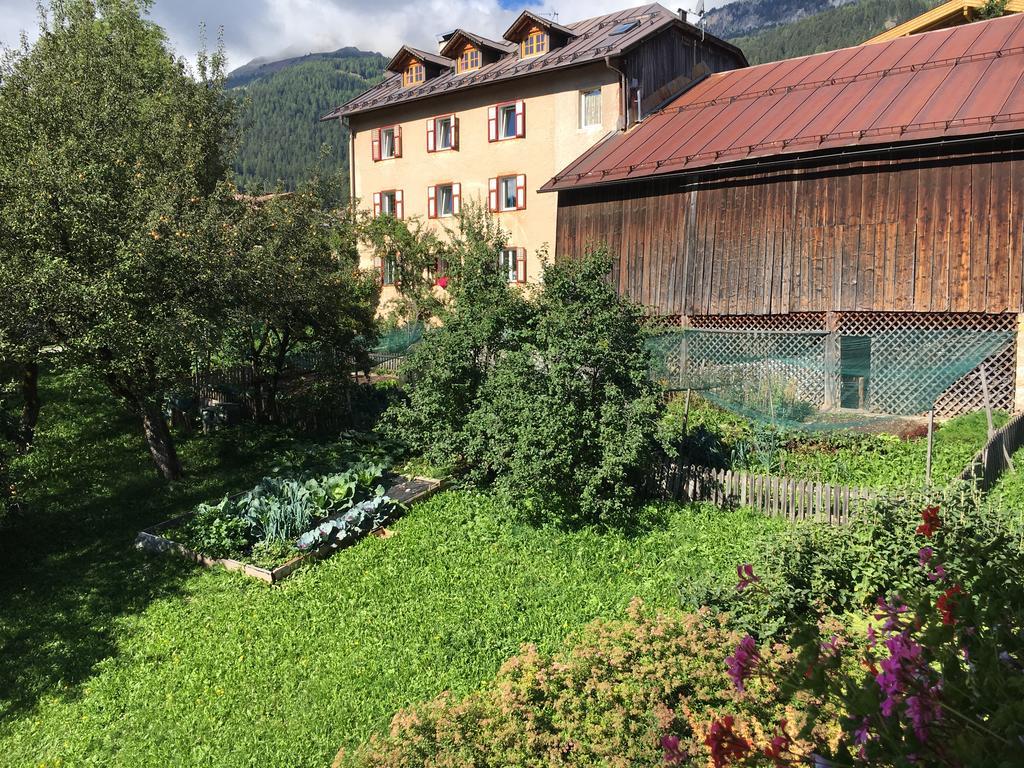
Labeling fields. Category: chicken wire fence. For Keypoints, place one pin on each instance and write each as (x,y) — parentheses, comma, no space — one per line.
(819,372)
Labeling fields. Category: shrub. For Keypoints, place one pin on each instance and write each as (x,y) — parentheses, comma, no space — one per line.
(813,569)
(445,371)
(566,424)
(609,700)
(938,678)
(545,397)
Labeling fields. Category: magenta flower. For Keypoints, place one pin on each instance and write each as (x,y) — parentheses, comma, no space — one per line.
(673,754)
(746,576)
(924,555)
(743,661)
(891,612)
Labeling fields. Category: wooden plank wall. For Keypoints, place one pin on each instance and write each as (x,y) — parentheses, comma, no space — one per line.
(934,234)
(664,65)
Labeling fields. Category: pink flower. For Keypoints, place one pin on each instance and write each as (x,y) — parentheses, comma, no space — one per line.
(743,661)
(442,282)
(746,576)
(779,745)
(673,754)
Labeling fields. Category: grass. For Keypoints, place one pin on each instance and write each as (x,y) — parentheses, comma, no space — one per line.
(114,658)
(879,461)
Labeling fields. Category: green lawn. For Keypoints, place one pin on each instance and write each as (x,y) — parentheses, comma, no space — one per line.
(114,658)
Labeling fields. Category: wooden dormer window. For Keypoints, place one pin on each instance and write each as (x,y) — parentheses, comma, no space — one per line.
(534,44)
(414,74)
(468,60)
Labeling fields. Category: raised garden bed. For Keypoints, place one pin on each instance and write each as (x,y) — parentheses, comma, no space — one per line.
(405,490)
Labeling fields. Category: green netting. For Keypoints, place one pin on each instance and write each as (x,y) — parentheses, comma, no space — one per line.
(399,340)
(818,380)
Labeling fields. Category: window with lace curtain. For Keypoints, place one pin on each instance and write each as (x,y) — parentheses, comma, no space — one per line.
(590,108)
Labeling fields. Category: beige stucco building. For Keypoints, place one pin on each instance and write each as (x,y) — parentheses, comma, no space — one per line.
(491,121)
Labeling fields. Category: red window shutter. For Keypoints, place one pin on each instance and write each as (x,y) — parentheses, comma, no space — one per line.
(492,123)
(456,198)
(399,205)
(520,265)
(378,265)
(398,141)
(376,203)
(520,191)
(375,144)
(432,202)
(455,132)
(520,119)
(430,135)
(492,194)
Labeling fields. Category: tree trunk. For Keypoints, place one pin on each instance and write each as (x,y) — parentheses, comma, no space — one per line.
(161,444)
(30,406)
(275,377)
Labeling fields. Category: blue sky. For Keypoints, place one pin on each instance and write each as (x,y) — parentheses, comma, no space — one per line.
(290,27)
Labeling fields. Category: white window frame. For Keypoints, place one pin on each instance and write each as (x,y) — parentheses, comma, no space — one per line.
(394,146)
(438,146)
(389,202)
(506,109)
(441,214)
(508,264)
(503,198)
(583,107)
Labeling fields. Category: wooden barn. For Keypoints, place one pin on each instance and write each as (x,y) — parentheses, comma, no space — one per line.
(870,197)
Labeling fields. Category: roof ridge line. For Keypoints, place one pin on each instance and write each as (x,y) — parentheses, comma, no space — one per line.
(877,74)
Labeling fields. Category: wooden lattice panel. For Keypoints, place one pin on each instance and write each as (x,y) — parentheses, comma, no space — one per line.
(910,363)
(907,354)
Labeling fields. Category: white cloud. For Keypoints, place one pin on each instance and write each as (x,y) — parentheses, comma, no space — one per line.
(254,28)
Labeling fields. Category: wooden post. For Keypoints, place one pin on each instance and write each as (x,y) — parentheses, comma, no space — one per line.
(988,402)
(931,442)
(686,414)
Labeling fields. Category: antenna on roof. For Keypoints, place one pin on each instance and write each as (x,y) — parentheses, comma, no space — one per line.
(553,15)
(700,18)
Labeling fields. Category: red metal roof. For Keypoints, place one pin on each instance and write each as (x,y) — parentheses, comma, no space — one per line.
(953,82)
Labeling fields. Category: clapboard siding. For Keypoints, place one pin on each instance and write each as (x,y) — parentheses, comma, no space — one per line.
(910,234)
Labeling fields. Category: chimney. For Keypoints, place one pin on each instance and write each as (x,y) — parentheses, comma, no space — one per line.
(681,12)
(442,40)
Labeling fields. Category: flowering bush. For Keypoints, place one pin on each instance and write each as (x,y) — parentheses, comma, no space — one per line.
(937,675)
(637,692)
(814,570)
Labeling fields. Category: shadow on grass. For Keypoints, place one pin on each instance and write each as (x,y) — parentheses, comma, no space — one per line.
(70,572)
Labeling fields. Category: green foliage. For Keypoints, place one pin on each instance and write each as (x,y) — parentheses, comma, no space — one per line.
(815,569)
(718,438)
(992,9)
(565,422)
(289,511)
(414,253)
(111,197)
(298,293)
(607,700)
(840,27)
(445,372)
(938,679)
(282,138)
(115,658)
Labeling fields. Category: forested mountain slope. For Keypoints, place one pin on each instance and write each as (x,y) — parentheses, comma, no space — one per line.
(281,104)
(835,28)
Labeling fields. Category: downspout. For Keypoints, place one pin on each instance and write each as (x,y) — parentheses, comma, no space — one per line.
(624,90)
(343,123)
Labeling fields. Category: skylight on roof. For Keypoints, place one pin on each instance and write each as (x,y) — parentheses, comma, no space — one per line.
(625,27)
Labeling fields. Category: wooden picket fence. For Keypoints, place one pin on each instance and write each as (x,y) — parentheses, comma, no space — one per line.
(784,497)
(387,362)
(996,457)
